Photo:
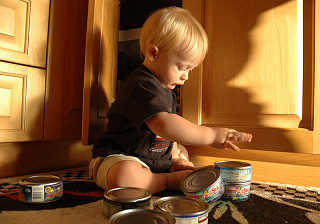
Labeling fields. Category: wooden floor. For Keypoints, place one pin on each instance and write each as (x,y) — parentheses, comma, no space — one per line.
(267,166)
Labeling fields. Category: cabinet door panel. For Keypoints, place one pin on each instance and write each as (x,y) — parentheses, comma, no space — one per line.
(258,75)
(23,31)
(65,69)
(100,66)
(252,69)
(22,103)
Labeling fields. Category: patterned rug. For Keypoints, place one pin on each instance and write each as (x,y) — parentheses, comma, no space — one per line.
(82,203)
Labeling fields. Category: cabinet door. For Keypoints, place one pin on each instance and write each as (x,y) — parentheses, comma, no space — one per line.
(23,31)
(100,66)
(65,68)
(22,102)
(259,74)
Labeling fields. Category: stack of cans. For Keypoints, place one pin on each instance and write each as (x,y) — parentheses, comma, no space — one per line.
(205,184)
(236,176)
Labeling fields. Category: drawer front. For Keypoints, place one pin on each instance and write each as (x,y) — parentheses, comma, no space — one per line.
(24,31)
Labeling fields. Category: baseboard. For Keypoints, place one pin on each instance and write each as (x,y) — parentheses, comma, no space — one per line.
(35,157)
(267,166)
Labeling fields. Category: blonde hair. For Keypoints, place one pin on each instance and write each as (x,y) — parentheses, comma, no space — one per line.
(175,31)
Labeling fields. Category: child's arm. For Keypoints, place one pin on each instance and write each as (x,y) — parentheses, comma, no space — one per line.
(177,129)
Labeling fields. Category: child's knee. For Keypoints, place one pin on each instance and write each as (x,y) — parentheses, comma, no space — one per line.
(125,174)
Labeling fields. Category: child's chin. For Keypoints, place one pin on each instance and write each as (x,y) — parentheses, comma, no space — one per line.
(170,86)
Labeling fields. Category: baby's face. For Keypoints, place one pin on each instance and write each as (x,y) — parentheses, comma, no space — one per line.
(172,70)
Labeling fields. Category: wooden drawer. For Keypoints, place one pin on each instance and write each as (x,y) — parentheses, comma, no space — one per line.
(24,31)
(22,91)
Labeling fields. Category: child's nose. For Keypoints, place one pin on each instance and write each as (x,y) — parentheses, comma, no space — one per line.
(185,76)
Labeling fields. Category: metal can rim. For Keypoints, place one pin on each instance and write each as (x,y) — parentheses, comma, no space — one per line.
(108,195)
(220,164)
(124,213)
(214,170)
(202,205)
(53,179)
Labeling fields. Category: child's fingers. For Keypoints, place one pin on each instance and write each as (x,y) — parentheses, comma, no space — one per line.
(182,165)
(238,137)
(229,145)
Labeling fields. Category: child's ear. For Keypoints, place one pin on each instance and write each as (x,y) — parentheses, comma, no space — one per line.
(152,52)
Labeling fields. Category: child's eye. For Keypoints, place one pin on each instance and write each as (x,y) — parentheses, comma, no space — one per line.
(182,69)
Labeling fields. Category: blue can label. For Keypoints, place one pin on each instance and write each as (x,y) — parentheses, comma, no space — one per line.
(236,192)
(41,193)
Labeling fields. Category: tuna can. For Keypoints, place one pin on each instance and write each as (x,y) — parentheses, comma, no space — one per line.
(234,171)
(118,199)
(205,184)
(185,210)
(236,192)
(40,189)
(142,216)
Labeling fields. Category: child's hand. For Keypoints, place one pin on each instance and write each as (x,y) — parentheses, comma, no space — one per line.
(226,137)
(181,164)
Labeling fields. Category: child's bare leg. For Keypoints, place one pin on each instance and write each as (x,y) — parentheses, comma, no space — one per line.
(132,174)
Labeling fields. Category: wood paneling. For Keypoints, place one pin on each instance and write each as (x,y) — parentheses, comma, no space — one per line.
(191,91)
(316,81)
(274,167)
(258,75)
(251,68)
(66,51)
(12,88)
(24,31)
(100,66)
(42,156)
(22,108)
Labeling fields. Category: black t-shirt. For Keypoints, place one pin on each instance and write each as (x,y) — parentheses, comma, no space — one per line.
(141,97)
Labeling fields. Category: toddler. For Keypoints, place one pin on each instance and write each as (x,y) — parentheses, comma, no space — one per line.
(142,146)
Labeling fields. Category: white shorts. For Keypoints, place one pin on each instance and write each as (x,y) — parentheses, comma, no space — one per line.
(99,167)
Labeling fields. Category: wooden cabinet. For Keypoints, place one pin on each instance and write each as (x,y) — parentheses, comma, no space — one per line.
(42,70)
(23,49)
(65,69)
(22,102)
(24,31)
(41,85)
(261,75)
(100,75)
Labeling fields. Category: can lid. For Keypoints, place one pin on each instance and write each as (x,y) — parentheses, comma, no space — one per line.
(178,205)
(200,179)
(40,179)
(142,216)
(232,164)
(127,194)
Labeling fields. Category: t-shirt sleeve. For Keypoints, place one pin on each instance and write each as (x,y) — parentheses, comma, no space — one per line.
(147,100)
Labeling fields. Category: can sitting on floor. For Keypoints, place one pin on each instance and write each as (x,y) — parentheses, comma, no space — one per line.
(40,189)
(118,199)
(236,176)
(185,210)
(142,216)
(234,171)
